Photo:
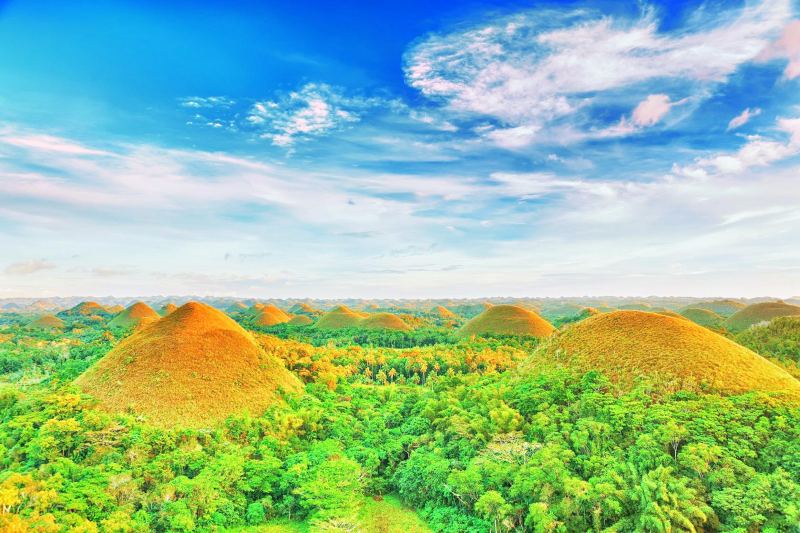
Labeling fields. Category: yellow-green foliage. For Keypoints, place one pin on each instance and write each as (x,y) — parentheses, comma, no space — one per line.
(303,309)
(443,312)
(384,321)
(703,317)
(47,322)
(630,344)
(192,368)
(134,315)
(270,315)
(85,309)
(723,308)
(758,313)
(507,320)
(339,317)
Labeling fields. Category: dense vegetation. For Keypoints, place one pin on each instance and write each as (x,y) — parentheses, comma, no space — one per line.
(449,427)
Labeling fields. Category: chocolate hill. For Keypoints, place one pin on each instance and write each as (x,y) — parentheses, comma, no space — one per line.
(167,309)
(301,320)
(270,315)
(703,317)
(339,317)
(507,320)
(136,314)
(47,322)
(724,308)
(192,368)
(384,321)
(629,344)
(85,309)
(758,313)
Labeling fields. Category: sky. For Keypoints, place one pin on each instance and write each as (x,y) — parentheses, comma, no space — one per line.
(399,149)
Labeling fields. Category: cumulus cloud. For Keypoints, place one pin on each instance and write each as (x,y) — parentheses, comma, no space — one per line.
(28,267)
(743,118)
(756,152)
(198,102)
(313,110)
(534,70)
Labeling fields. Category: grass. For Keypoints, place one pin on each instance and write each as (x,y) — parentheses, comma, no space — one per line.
(85,309)
(270,315)
(758,313)
(507,320)
(133,316)
(443,312)
(384,321)
(338,318)
(388,515)
(167,309)
(192,368)
(703,317)
(301,320)
(630,344)
(47,322)
(723,308)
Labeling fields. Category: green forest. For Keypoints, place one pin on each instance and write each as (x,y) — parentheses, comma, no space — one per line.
(419,430)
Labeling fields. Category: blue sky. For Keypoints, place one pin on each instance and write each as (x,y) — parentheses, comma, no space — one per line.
(413,149)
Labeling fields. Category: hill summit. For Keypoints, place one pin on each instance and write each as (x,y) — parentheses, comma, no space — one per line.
(629,344)
(134,315)
(760,312)
(507,320)
(192,368)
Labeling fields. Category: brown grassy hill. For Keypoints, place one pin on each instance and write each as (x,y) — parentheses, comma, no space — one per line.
(636,306)
(758,313)
(85,309)
(134,315)
(630,344)
(507,320)
(114,309)
(703,317)
(192,368)
(167,309)
(384,321)
(724,308)
(47,322)
(443,312)
(271,315)
(301,320)
(302,309)
(339,317)
(237,307)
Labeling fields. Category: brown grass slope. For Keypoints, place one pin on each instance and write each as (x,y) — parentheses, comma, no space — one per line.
(704,317)
(507,320)
(443,312)
(302,309)
(758,313)
(384,321)
(270,315)
(339,317)
(192,368)
(47,322)
(85,309)
(114,309)
(134,315)
(630,344)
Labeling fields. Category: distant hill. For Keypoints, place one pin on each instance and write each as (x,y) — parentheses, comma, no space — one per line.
(507,320)
(758,313)
(134,315)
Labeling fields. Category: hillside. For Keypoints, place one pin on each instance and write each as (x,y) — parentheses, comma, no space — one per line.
(704,317)
(133,316)
(47,322)
(507,320)
(629,344)
(384,321)
(301,320)
(339,317)
(167,309)
(270,315)
(758,313)
(192,368)
(85,309)
(723,308)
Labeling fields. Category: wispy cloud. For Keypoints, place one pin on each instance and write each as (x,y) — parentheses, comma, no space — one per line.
(29,267)
(531,76)
(198,102)
(743,118)
(787,47)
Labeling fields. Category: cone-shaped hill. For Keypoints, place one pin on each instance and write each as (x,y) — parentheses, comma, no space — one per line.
(192,368)
(303,309)
(271,315)
(114,309)
(47,322)
(629,344)
(703,317)
(339,317)
(167,309)
(85,309)
(384,321)
(507,320)
(133,316)
(301,320)
(236,307)
(758,313)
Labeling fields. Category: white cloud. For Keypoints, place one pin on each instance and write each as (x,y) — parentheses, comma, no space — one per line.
(28,267)
(743,118)
(198,102)
(756,152)
(529,76)
(313,110)
(787,47)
